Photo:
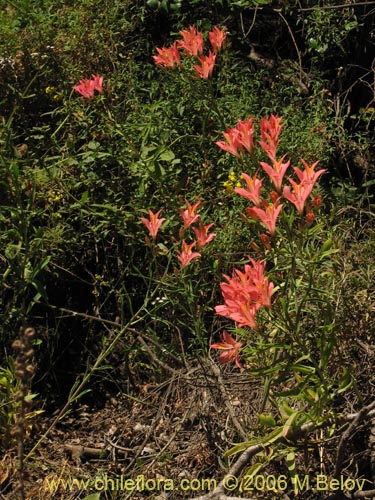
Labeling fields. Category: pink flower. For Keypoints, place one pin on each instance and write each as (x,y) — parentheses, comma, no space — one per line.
(192,41)
(217,38)
(187,254)
(270,131)
(238,138)
(246,130)
(268,215)
(189,216)
(245,293)
(299,194)
(87,87)
(308,175)
(206,66)
(202,235)
(97,83)
(252,191)
(276,172)
(230,349)
(154,223)
(168,56)
(233,144)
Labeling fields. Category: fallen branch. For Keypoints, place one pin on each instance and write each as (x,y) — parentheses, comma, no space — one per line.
(295,433)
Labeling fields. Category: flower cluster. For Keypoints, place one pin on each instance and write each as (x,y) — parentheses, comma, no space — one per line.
(267,211)
(189,217)
(244,293)
(231,183)
(192,45)
(87,87)
(238,138)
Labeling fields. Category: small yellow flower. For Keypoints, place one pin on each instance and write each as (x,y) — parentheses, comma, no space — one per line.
(49,89)
(228,187)
(232,176)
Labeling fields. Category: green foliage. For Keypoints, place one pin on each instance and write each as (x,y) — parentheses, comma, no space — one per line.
(77,174)
(328,29)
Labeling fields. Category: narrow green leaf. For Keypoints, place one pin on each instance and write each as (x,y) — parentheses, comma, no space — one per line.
(273,436)
(267,420)
(93,496)
(289,423)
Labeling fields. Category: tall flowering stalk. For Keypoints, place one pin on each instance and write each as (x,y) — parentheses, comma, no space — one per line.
(294,347)
(246,292)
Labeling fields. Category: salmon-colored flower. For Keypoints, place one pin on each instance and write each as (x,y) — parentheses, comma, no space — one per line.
(299,194)
(217,38)
(276,172)
(187,254)
(189,216)
(245,293)
(246,137)
(168,56)
(253,187)
(268,215)
(230,348)
(85,88)
(308,175)
(238,138)
(192,41)
(270,130)
(233,144)
(202,235)
(153,224)
(97,83)
(206,66)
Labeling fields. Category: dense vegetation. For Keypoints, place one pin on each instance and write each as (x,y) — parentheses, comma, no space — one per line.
(112,305)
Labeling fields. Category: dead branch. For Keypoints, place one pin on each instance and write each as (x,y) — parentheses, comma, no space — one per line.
(226,399)
(251,26)
(292,436)
(348,434)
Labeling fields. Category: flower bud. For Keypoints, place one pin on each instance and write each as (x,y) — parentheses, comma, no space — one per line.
(274,196)
(266,241)
(317,201)
(310,218)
